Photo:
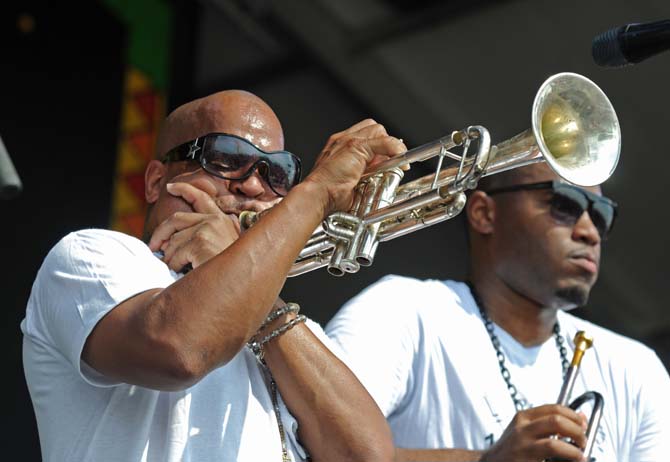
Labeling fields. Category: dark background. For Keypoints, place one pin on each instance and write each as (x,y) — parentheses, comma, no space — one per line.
(422,68)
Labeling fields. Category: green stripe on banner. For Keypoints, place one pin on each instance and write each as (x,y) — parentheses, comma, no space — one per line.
(149,23)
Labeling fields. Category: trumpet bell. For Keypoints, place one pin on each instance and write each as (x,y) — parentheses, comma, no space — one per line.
(576,129)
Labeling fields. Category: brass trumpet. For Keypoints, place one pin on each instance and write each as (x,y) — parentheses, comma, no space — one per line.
(582,343)
(574,129)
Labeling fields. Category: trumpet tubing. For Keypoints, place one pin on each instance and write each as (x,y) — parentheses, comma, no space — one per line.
(582,343)
(574,129)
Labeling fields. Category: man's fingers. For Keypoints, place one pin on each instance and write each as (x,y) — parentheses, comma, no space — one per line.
(383,148)
(198,243)
(175,223)
(172,245)
(201,201)
(552,419)
(359,125)
(374,130)
(397,148)
(180,258)
(585,420)
(354,128)
(549,409)
(548,448)
(369,148)
(554,424)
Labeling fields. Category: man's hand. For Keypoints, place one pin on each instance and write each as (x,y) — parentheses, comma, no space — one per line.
(194,237)
(528,436)
(346,156)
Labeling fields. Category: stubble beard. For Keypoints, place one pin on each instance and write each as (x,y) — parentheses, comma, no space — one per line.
(567,298)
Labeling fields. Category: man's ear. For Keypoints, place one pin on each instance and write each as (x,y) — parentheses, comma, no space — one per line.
(153,176)
(481,210)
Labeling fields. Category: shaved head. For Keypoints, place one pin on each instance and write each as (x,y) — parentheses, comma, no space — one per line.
(523,175)
(235,112)
(515,176)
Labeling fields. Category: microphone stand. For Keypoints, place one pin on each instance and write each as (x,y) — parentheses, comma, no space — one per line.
(10,183)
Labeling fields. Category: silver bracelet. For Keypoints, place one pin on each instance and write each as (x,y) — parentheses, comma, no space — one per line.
(257,346)
(290,307)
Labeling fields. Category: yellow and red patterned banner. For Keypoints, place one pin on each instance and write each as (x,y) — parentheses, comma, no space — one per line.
(143,109)
(143,105)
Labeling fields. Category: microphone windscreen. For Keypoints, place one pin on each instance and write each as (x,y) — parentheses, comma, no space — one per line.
(606,49)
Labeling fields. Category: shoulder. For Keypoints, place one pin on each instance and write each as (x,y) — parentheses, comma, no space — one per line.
(403,301)
(603,338)
(81,249)
(614,351)
(98,240)
(426,297)
(86,261)
(393,291)
(403,284)
(89,272)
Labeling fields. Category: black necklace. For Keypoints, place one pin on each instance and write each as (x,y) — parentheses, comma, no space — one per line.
(520,403)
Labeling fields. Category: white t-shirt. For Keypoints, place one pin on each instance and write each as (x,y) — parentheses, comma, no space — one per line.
(83,416)
(423,353)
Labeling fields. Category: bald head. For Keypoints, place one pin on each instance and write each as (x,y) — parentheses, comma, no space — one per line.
(533,173)
(235,112)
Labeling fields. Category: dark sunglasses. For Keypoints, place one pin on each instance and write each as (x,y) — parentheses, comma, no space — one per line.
(234,158)
(569,202)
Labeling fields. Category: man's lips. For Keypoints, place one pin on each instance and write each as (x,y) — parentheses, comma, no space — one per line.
(586,261)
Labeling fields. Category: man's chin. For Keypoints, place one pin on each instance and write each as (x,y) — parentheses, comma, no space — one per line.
(572,296)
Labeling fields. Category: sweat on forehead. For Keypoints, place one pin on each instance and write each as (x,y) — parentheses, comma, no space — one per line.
(231,111)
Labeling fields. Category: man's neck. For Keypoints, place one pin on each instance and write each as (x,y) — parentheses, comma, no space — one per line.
(524,319)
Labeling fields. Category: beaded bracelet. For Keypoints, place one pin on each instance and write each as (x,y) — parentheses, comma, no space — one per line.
(290,307)
(256,346)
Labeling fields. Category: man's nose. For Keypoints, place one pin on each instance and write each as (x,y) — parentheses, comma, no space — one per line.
(585,231)
(251,186)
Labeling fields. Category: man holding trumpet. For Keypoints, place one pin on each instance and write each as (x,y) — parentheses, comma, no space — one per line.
(468,371)
(178,348)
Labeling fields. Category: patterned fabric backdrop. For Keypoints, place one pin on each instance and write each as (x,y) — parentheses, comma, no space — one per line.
(143,104)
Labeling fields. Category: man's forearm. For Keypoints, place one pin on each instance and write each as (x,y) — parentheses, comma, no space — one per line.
(437,455)
(215,308)
(338,420)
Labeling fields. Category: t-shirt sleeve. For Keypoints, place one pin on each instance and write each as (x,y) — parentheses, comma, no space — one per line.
(373,334)
(83,277)
(652,442)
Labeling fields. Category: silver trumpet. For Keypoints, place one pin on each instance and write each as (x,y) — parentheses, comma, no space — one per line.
(574,129)
(582,343)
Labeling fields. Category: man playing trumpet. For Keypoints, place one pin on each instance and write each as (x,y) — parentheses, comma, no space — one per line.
(178,348)
(468,371)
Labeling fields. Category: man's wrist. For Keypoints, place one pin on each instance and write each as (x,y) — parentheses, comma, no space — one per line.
(279,321)
(275,324)
(318,193)
(278,311)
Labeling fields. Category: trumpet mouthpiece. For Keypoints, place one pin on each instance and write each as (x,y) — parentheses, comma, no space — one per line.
(247,219)
(583,342)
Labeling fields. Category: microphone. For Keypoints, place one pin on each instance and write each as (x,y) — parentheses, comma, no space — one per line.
(10,183)
(631,43)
